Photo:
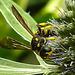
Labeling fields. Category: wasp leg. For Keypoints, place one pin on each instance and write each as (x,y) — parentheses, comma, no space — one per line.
(42,24)
(49,54)
(45,30)
(50,26)
(52,38)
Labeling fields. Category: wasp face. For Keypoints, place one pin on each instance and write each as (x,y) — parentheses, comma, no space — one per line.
(37,43)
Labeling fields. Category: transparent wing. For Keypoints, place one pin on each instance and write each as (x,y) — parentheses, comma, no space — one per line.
(21,20)
(10,43)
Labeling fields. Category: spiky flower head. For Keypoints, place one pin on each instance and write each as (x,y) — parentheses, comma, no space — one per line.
(66,30)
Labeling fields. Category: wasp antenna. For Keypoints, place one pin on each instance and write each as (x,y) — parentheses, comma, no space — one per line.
(39,27)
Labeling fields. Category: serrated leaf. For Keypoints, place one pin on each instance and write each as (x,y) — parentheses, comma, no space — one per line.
(5,8)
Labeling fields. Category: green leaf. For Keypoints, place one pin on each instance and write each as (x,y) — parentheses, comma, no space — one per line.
(8,67)
(5,8)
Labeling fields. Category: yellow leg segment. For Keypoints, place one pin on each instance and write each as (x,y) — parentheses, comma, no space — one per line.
(50,26)
(45,30)
(49,54)
(43,24)
(52,38)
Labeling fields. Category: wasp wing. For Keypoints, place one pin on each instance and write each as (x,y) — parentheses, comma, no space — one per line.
(21,20)
(10,43)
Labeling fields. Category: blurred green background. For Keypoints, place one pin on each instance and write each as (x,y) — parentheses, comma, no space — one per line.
(41,11)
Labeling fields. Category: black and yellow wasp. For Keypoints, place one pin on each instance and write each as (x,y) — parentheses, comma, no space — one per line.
(44,42)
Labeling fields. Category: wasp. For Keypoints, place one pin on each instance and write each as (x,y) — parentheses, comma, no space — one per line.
(44,41)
